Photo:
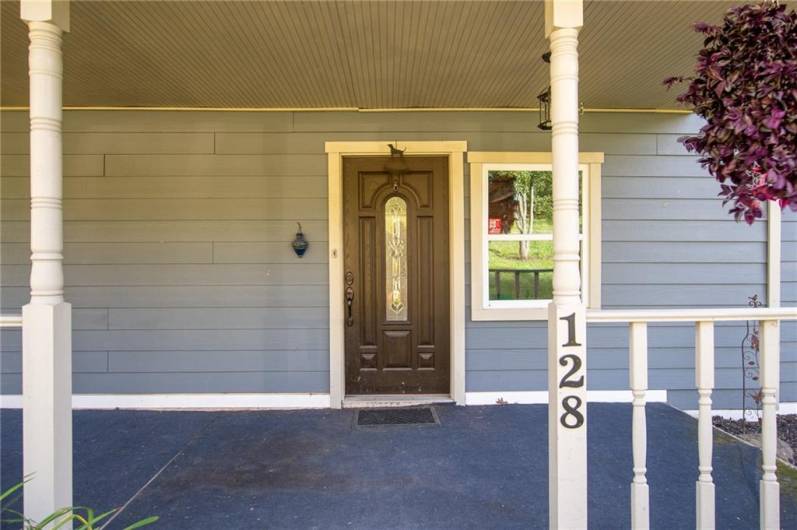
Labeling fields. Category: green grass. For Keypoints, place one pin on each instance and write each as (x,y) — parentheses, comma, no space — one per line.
(542,225)
(526,287)
(787,476)
(506,255)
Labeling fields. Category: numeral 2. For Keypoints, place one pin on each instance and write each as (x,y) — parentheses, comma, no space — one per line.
(566,380)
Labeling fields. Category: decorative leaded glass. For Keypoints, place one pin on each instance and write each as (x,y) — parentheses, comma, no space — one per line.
(396,258)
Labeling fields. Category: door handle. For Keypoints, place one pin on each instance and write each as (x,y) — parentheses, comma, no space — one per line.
(349,298)
(349,302)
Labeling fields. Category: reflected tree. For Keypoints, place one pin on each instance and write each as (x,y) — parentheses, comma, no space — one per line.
(533,202)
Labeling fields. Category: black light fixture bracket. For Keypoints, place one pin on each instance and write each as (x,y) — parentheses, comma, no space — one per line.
(396,166)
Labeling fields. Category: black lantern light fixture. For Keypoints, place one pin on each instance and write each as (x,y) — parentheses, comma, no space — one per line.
(299,243)
(544,99)
(545,110)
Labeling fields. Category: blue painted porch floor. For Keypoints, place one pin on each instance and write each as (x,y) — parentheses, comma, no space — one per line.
(482,467)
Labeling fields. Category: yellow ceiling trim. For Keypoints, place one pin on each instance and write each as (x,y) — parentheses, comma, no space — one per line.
(205,109)
(646,111)
(354,109)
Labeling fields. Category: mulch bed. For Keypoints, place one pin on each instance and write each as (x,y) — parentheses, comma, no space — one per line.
(787,428)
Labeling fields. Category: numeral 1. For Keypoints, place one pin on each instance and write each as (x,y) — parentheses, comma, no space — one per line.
(571,330)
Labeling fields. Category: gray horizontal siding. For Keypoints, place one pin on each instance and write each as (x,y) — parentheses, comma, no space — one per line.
(684,252)
(16,143)
(179,274)
(659,187)
(179,268)
(185,340)
(680,231)
(218,318)
(172,231)
(230,187)
(716,295)
(611,358)
(84,362)
(186,382)
(681,273)
(190,296)
(604,336)
(74,165)
(177,209)
(606,379)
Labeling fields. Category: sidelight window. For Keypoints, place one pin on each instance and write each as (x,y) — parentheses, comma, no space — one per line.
(512,234)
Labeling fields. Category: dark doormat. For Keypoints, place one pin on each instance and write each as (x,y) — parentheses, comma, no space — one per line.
(396,416)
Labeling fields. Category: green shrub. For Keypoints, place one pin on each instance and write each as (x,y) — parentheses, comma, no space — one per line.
(77,517)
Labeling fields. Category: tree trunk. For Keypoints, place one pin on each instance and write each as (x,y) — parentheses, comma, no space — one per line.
(524,249)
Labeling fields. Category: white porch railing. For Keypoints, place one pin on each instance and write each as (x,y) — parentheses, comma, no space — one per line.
(10,321)
(704,320)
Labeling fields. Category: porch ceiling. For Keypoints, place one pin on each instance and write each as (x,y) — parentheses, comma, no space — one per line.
(366,55)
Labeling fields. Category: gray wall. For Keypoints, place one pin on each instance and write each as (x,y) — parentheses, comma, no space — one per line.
(182,279)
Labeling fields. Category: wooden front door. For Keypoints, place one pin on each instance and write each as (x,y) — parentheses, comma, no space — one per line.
(395,230)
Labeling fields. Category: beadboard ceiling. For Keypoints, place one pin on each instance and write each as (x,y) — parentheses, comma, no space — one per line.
(436,54)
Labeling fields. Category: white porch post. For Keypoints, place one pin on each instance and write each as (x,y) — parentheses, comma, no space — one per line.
(567,389)
(46,320)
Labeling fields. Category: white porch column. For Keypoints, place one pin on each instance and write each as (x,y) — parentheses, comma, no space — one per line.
(46,320)
(567,389)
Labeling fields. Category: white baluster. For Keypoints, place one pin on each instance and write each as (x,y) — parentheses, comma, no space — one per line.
(770,365)
(704,375)
(638,374)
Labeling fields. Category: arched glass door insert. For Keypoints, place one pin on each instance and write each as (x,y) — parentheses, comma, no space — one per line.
(396,259)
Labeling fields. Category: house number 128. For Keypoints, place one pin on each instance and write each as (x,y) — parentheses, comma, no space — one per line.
(572,417)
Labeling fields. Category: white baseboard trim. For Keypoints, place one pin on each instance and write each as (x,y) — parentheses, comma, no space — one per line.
(186,401)
(788,407)
(301,401)
(541,397)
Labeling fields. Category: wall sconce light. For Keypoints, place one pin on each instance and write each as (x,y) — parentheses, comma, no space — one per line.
(299,243)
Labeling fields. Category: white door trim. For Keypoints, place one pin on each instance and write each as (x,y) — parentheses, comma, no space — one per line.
(456,244)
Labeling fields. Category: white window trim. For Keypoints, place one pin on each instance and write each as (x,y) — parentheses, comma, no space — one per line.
(480,163)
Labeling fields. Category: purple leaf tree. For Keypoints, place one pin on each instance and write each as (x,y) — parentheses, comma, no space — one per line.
(745,87)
